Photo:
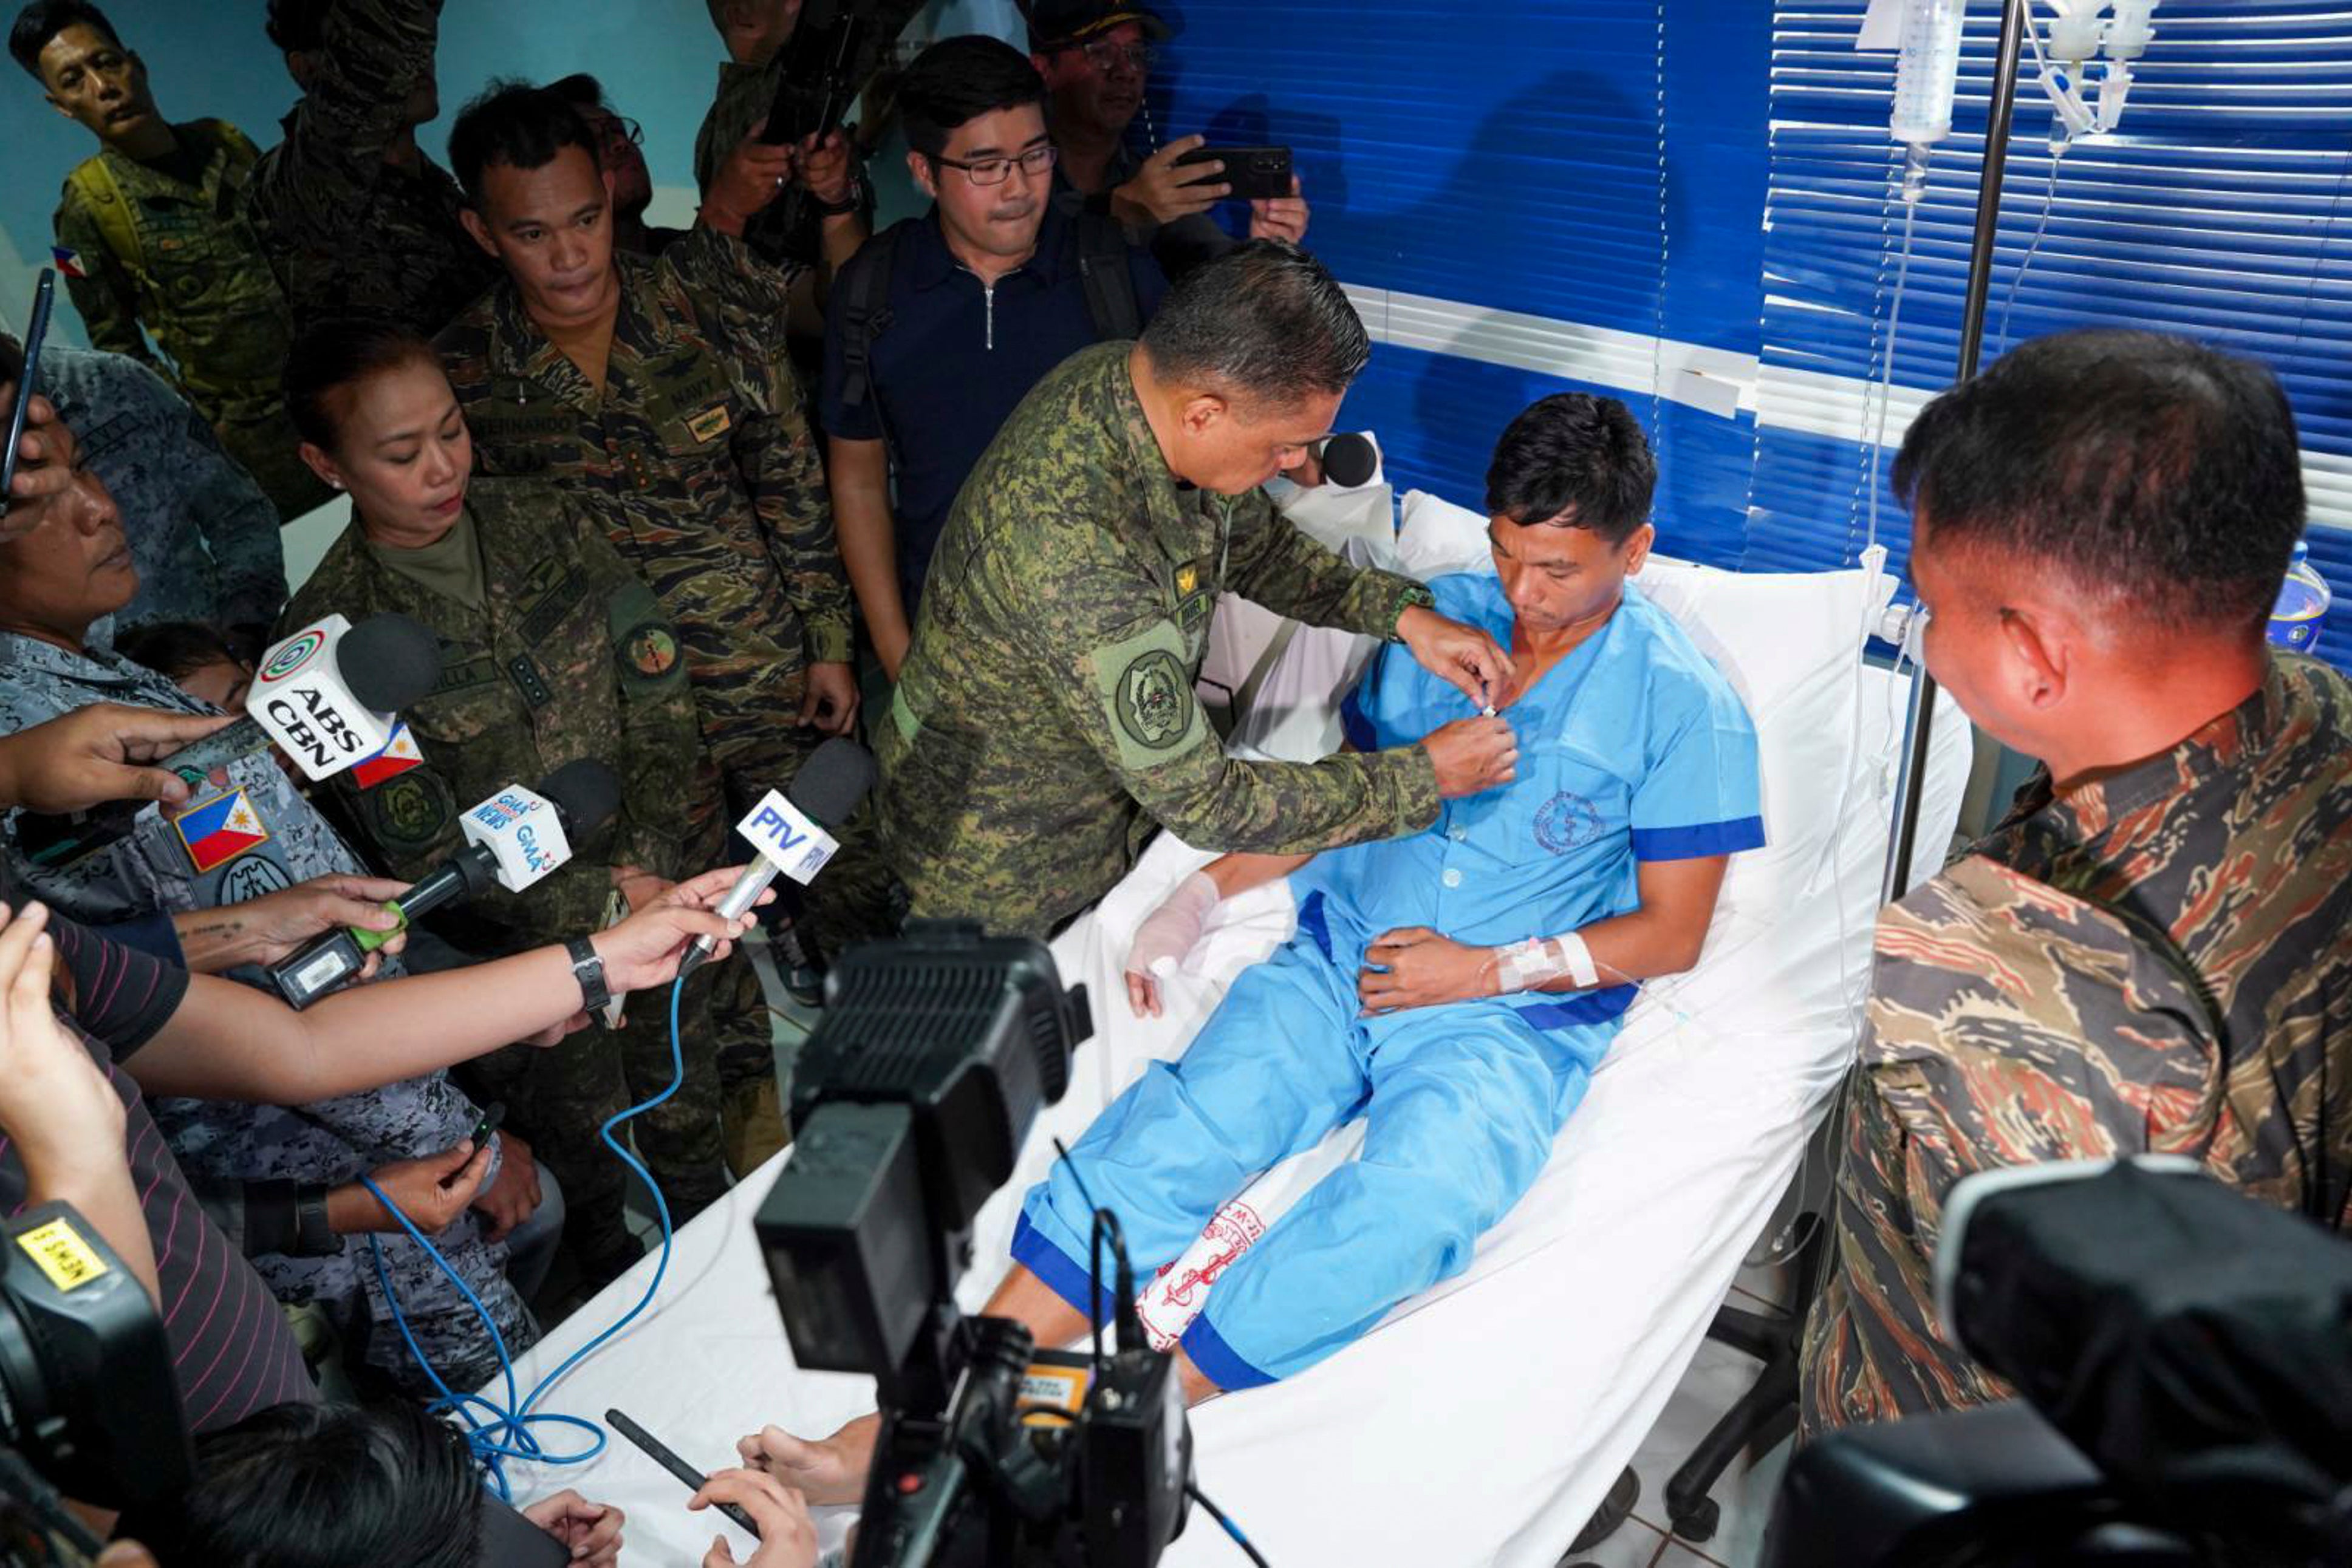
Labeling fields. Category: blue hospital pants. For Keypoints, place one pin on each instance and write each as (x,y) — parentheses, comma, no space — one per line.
(1462,1103)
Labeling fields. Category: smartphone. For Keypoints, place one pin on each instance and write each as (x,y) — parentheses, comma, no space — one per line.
(493,1115)
(695,1480)
(44,294)
(1256,173)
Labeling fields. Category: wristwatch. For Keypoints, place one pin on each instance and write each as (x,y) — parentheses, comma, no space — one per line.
(313,1236)
(588,968)
(853,199)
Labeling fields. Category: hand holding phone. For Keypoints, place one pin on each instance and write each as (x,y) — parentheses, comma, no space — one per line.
(1251,174)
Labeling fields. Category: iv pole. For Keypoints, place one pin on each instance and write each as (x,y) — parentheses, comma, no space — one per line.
(1918,723)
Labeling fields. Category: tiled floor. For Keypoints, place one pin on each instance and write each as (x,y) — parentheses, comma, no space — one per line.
(1718,1377)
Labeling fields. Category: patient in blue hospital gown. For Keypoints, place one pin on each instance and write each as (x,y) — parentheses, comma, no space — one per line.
(1395,1000)
(1455,987)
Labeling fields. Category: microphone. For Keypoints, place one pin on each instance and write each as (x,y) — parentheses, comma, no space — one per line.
(791,830)
(512,840)
(325,696)
(1349,458)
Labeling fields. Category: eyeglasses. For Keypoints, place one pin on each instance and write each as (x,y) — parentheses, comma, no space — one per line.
(1107,57)
(997,170)
(618,131)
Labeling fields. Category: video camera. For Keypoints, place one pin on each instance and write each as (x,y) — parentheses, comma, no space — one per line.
(910,1104)
(2185,1358)
(89,1408)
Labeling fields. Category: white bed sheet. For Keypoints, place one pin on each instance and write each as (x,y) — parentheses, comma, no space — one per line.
(1482,1422)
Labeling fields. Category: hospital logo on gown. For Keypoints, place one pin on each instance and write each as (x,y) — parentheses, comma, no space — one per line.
(220,829)
(1566,822)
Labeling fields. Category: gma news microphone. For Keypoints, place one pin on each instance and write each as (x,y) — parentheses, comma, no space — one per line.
(325,696)
(512,840)
(792,831)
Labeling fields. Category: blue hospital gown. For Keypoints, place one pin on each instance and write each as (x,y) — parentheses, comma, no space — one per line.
(1633,747)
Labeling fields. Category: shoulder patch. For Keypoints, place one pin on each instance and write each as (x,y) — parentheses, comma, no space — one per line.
(408,813)
(1146,685)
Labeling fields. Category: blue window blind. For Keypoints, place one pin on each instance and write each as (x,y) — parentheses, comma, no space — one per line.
(2220,213)
(1525,196)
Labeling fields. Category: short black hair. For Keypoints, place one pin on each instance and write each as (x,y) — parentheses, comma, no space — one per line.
(175,648)
(307,1485)
(42,20)
(331,355)
(1575,461)
(1265,321)
(957,81)
(579,89)
(298,26)
(2158,472)
(518,125)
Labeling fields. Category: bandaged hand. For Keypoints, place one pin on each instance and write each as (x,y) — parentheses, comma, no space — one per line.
(1414,966)
(1167,936)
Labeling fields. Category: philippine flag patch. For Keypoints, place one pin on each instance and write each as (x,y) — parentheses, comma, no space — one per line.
(69,261)
(399,754)
(220,829)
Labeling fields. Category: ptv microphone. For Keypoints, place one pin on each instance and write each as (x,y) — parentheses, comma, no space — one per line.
(791,830)
(1350,459)
(325,696)
(512,840)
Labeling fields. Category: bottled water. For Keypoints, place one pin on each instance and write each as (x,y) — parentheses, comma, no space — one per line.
(2302,603)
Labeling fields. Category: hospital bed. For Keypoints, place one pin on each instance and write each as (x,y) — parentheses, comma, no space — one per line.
(1482,1422)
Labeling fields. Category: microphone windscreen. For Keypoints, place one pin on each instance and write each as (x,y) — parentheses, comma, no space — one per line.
(1350,459)
(832,780)
(388,662)
(587,793)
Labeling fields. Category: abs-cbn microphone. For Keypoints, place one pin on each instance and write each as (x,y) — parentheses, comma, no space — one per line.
(512,840)
(325,696)
(792,830)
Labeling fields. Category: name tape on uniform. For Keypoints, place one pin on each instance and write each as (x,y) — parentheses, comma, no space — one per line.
(788,838)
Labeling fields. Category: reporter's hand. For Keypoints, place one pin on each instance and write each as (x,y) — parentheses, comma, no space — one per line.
(1281,217)
(278,922)
(95,754)
(639,886)
(65,1119)
(822,166)
(509,1201)
(1414,966)
(592,1530)
(557,1033)
(1161,193)
(432,1192)
(787,1533)
(748,179)
(1464,657)
(40,473)
(643,950)
(1166,936)
(828,1473)
(829,698)
(1473,756)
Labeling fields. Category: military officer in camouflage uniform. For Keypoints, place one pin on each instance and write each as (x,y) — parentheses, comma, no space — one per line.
(658,393)
(2153,952)
(248,833)
(152,235)
(1043,724)
(551,649)
(355,220)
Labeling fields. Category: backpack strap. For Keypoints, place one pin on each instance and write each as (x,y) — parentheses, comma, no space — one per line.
(102,196)
(865,288)
(1110,285)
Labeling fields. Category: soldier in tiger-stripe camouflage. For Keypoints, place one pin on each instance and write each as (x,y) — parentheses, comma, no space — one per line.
(2153,952)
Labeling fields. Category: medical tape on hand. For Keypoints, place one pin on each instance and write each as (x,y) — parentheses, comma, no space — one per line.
(1527,965)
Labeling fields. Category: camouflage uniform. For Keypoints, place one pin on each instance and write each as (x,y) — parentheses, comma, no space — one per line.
(348,234)
(1044,724)
(202,536)
(183,261)
(570,656)
(698,458)
(2158,961)
(219,1142)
